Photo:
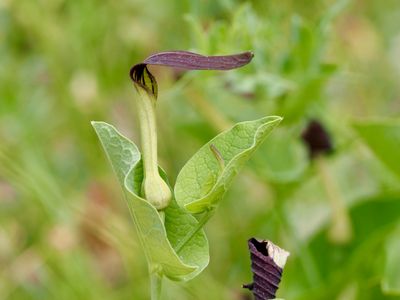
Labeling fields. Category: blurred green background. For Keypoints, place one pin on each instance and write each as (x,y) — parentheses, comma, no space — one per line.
(65,232)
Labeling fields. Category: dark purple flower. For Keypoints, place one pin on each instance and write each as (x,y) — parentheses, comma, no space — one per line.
(185,60)
(267,262)
(317,139)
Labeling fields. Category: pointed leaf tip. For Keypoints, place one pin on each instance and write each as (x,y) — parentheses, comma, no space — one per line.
(93,123)
(204,179)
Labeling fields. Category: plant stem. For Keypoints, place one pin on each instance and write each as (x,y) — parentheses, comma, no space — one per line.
(204,219)
(155,285)
(341,230)
(209,112)
(306,259)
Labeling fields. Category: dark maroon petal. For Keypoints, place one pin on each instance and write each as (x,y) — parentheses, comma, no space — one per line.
(192,61)
(317,139)
(184,60)
(266,273)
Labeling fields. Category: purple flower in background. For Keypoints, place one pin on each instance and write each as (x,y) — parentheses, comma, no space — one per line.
(267,263)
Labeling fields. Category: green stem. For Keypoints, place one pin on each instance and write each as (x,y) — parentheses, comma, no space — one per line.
(204,219)
(341,230)
(155,285)
(209,112)
(306,259)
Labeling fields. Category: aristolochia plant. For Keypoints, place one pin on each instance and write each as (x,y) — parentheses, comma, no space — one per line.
(170,222)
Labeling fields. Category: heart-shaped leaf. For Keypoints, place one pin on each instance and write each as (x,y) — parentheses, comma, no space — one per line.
(159,240)
(206,177)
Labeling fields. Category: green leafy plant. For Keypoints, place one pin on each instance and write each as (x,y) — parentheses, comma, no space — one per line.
(170,221)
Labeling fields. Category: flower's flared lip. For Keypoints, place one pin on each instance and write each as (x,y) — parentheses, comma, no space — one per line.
(193,61)
(185,60)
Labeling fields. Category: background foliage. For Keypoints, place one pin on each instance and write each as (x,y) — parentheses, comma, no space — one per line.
(65,232)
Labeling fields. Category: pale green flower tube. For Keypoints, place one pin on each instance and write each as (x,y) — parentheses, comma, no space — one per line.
(154,188)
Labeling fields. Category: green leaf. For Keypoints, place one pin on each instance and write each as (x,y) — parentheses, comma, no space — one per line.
(206,177)
(391,275)
(158,240)
(383,138)
(282,159)
(373,218)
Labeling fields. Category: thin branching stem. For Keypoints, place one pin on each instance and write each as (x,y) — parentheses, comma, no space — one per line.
(341,230)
